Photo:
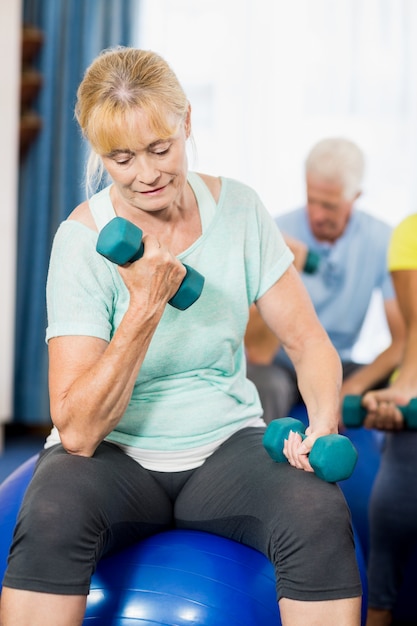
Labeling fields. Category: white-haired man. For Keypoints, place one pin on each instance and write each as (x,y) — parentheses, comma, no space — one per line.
(341,253)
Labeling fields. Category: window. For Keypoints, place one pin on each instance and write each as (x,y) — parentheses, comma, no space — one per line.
(268,79)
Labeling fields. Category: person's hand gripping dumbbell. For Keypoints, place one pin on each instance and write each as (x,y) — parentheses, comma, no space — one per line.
(354,414)
(120,241)
(305,260)
(332,457)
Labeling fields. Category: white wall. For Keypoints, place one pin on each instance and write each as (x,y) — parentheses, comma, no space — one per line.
(10,55)
(266,80)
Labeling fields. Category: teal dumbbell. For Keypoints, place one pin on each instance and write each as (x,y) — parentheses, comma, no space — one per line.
(332,457)
(120,241)
(353,413)
(312,262)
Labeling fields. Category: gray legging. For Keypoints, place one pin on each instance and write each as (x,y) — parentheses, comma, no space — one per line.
(393,518)
(77,509)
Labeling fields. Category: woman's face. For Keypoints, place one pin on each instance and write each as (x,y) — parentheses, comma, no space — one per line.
(152,177)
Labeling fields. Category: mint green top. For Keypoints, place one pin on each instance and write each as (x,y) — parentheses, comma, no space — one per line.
(192,389)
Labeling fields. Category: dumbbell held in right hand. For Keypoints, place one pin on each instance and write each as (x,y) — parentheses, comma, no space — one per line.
(353,413)
(120,242)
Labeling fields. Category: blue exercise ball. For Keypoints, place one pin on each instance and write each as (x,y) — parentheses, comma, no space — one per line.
(179,577)
(357,489)
(184,577)
(12,490)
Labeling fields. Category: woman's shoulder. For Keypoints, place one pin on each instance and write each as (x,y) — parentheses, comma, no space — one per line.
(216,183)
(213,183)
(82,214)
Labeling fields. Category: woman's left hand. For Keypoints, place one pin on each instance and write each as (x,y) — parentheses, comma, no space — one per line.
(296,450)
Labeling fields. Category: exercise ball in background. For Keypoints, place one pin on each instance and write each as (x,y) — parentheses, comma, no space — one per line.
(357,489)
(177,577)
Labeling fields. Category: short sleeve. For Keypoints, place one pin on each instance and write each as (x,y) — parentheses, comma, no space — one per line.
(80,285)
(268,255)
(402,253)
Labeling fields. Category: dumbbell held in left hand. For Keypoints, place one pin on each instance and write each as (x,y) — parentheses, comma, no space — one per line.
(120,241)
(354,414)
(333,457)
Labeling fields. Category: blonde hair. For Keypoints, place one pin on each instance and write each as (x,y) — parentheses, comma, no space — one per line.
(338,161)
(121,80)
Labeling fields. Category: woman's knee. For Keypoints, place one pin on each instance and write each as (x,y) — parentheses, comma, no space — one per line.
(308,551)
(319,515)
(61,502)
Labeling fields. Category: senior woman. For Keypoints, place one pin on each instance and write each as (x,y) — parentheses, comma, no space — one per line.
(155,423)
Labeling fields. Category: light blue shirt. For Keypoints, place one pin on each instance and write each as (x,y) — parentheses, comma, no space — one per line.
(349,271)
(192,388)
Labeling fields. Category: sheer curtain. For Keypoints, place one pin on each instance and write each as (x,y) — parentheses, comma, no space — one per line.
(268,79)
(51,176)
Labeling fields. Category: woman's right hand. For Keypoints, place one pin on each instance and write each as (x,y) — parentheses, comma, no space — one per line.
(91,380)
(155,277)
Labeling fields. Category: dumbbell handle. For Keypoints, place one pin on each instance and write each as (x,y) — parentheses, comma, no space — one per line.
(353,413)
(120,241)
(333,457)
(312,262)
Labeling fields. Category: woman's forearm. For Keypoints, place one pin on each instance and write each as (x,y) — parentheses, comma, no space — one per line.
(319,375)
(90,395)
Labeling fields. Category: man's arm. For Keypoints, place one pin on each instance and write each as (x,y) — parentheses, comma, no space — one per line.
(381,368)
